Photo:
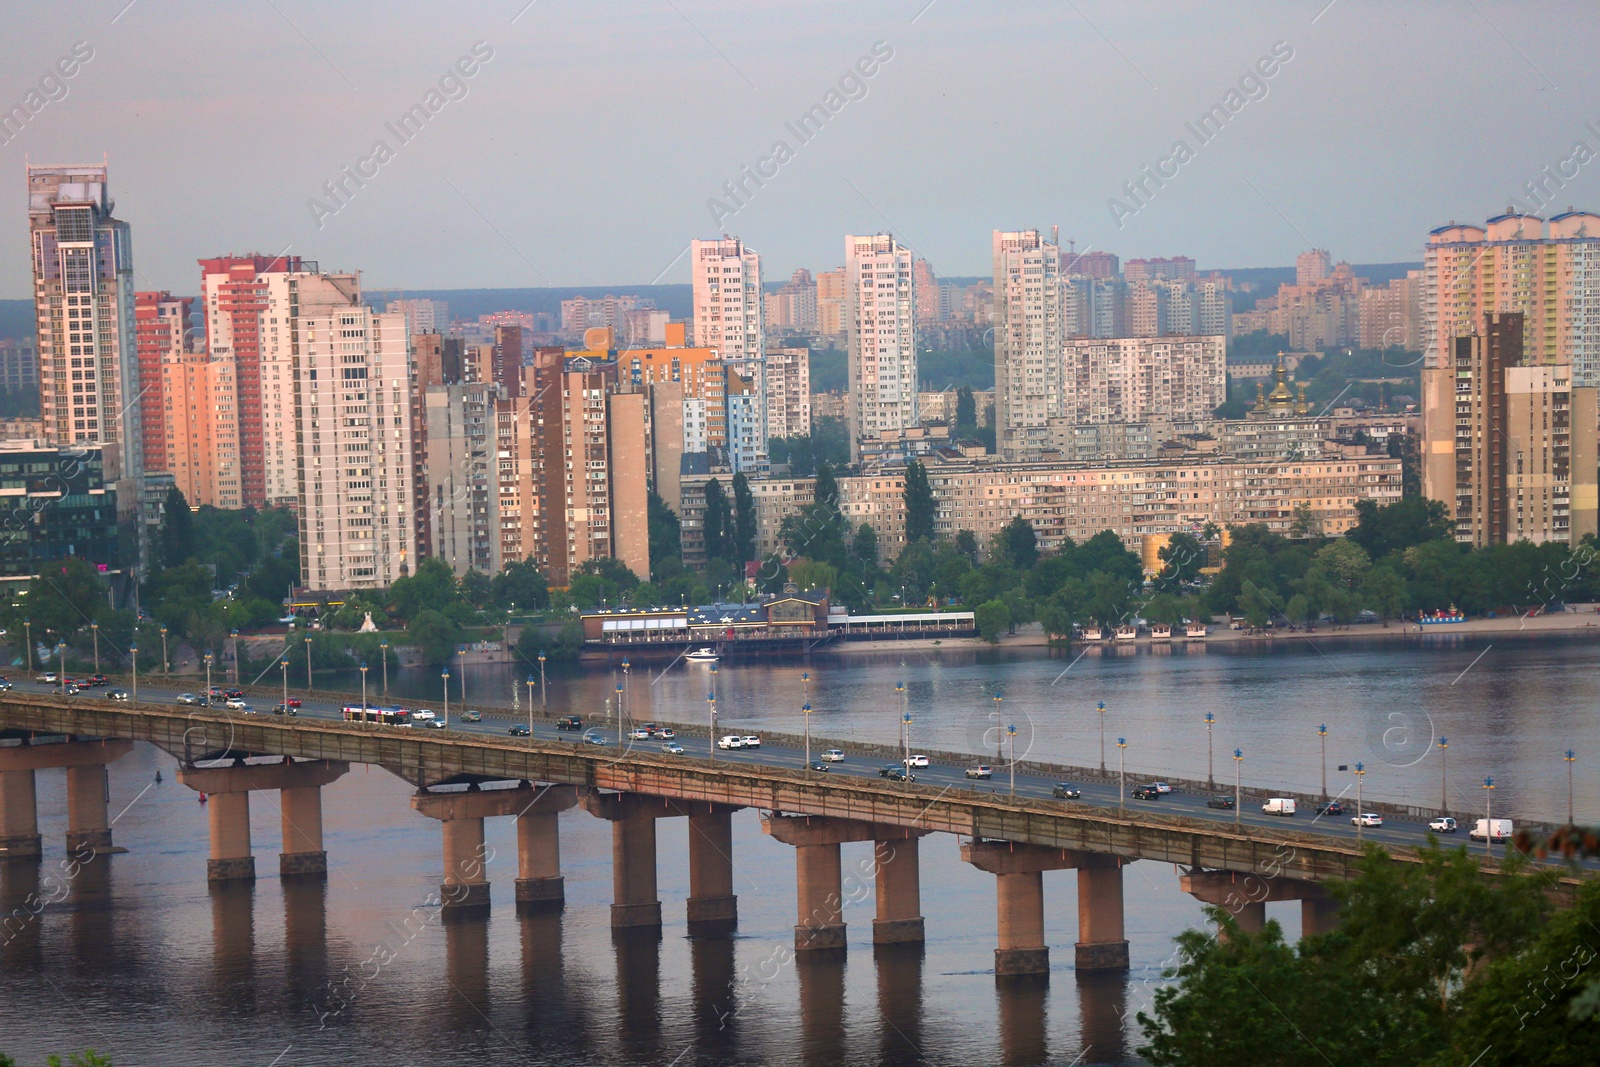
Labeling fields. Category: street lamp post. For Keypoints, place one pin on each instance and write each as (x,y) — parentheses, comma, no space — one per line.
(627,713)
(805,709)
(1488,816)
(1361,777)
(997,738)
(237,675)
(27,626)
(94,627)
(1011,736)
(621,730)
(166,664)
(1322,736)
(383,654)
(461,665)
(905,726)
(1238,761)
(1570,757)
(711,706)
(1101,708)
(209,700)
(61,667)
(310,687)
(1444,770)
(133,652)
(444,676)
(363,670)
(544,697)
(530,705)
(1210,721)
(283,662)
(1122,781)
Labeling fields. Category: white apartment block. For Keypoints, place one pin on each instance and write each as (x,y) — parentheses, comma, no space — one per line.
(422,315)
(463,484)
(352,385)
(1028,325)
(1131,379)
(730,317)
(788,392)
(880,317)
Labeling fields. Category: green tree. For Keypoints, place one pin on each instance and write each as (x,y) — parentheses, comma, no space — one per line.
(864,547)
(1306,523)
(1017,544)
(435,635)
(1256,607)
(716,522)
(992,618)
(65,598)
(966,409)
(432,585)
(1345,562)
(967,545)
(1385,528)
(1181,559)
(919,503)
(521,585)
(1066,608)
(666,540)
(175,543)
(1384,592)
(744,521)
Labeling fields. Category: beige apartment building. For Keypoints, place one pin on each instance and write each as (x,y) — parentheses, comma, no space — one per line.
(788,392)
(1131,379)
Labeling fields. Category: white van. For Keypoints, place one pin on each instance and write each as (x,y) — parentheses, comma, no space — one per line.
(1278,806)
(1491,830)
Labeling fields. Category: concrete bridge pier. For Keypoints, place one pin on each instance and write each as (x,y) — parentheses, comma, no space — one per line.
(819,885)
(465,889)
(228,789)
(712,906)
(1019,876)
(540,883)
(1245,897)
(88,823)
(19,816)
(899,887)
(633,854)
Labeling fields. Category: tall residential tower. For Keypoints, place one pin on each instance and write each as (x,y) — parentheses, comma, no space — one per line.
(1028,325)
(880,317)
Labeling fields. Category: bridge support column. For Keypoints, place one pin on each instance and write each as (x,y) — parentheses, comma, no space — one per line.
(1245,897)
(819,887)
(899,888)
(539,880)
(230,860)
(466,883)
(228,789)
(1101,945)
(712,906)
(302,832)
(1318,915)
(633,854)
(465,890)
(88,828)
(1019,876)
(19,816)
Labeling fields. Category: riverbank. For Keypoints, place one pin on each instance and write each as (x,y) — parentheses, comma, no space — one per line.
(1576,621)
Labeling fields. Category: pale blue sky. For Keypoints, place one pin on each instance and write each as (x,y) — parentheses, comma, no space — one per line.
(587,147)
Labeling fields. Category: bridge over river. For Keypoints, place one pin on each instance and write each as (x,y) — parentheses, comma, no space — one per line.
(464,776)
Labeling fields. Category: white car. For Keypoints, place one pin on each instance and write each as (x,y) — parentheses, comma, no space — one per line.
(47,678)
(423,715)
(665,735)
(730,741)
(833,755)
(638,735)
(980,771)
(752,741)
(1443,825)
(1163,787)
(916,761)
(236,704)
(672,748)
(1366,818)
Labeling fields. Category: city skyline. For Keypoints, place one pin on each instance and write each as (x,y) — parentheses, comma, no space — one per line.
(1247,190)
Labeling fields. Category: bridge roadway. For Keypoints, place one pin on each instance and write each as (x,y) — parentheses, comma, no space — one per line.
(1178,828)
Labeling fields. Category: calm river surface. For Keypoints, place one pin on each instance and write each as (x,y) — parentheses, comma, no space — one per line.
(136,957)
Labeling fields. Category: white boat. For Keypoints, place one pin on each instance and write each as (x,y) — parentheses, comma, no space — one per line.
(1127,633)
(1196,629)
(1161,631)
(702,655)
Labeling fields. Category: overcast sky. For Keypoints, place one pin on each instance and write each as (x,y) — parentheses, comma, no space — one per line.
(585,149)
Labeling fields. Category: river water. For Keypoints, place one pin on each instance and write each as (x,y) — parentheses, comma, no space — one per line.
(136,957)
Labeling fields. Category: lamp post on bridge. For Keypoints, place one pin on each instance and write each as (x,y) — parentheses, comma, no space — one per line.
(133,652)
(530,709)
(626,712)
(1361,777)
(1011,735)
(383,654)
(711,746)
(1210,780)
(1322,737)
(1101,708)
(1238,761)
(544,699)
(1488,816)
(94,627)
(1570,757)
(805,709)
(61,667)
(998,740)
(622,735)
(363,669)
(166,664)
(283,662)
(1444,770)
(1122,748)
(27,626)
(444,676)
(210,701)
(310,688)
(238,675)
(905,742)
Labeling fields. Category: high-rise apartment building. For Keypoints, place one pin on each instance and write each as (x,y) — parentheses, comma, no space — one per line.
(788,392)
(1509,442)
(1175,268)
(19,364)
(1312,267)
(1547,270)
(794,306)
(352,411)
(245,300)
(1147,308)
(197,397)
(161,323)
(422,315)
(925,286)
(1132,379)
(463,497)
(830,303)
(89,388)
(880,316)
(588,312)
(1028,331)
(1391,315)
(730,317)
(1090,264)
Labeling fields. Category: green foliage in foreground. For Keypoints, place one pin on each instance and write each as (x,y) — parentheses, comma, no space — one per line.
(1432,964)
(86,1058)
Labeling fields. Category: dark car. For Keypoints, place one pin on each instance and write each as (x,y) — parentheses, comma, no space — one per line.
(1223,802)
(116,694)
(569,722)
(896,773)
(234,694)
(818,765)
(97,679)
(518,731)
(283,709)
(1066,791)
(1146,792)
(1332,807)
